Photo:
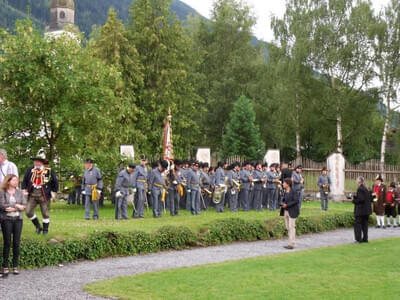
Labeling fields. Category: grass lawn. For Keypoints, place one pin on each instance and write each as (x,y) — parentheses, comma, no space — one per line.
(67,221)
(366,271)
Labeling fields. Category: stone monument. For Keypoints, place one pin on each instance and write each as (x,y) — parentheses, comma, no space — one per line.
(336,166)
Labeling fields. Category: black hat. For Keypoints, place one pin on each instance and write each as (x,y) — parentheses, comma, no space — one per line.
(143,158)
(393,184)
(379,177)
(131,166)
(40,156)
(205,165)
(89,161)
(195,163)
(164,164)
(299,167)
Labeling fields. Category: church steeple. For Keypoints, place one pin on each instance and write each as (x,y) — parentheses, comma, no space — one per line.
(62,13)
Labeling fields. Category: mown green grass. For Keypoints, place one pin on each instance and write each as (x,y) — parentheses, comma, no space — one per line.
(67,221)
(357,271)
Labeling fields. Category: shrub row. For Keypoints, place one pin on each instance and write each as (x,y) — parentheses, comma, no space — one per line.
(35,253)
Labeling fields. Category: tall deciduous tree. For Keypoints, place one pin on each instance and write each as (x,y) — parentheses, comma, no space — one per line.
(229,65)
(291,32)
(341,33)
(242,134)
(55,95)
(163,51)
(113,47)
(387,61)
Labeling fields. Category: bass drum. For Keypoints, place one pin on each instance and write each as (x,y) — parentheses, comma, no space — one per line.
(218,194)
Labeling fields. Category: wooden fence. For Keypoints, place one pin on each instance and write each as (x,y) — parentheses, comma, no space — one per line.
(369,170)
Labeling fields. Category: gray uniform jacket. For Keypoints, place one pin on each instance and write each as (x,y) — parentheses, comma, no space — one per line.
(91,177)
(193,180)
(220,176)
(124,182)
(156,181)
(257,175)
(205,180)
(271,176)
(140,177)
(323,180)
(233,175)
(296,178)
(245,179)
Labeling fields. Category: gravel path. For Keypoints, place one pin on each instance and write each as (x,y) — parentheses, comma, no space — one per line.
(67,282)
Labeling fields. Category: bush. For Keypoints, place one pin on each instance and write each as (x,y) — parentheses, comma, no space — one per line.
(36,254)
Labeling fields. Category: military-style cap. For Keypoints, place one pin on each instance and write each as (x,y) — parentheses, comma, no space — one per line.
(89,161)
(379,177)
(131,166)
(164,164)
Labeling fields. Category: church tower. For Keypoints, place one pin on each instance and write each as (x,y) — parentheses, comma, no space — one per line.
(62,13)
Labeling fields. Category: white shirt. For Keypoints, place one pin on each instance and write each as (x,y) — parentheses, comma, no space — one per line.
(7,168)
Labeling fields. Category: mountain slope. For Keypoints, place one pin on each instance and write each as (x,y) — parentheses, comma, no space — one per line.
(88,12)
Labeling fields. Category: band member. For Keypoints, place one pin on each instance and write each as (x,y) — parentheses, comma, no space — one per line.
(122,185)
(362,211)
(298,183)
(220,187)
(193,185)
(379,199)
(286,171)
(175,188)
(246,180)
(158,187)
(278,184)
(6,167)
(92,185)
(265,186)
(272,188)
(324,183)
(290,210)
(390,205)
(40,185)
(206,187)
(234,186)
(186,198)
(140,187)
(259,180)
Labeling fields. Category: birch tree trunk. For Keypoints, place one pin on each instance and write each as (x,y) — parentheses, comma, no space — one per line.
(385,132)
(339,136)
(298,140)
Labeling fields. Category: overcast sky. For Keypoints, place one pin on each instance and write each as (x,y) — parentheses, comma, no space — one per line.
(263,10)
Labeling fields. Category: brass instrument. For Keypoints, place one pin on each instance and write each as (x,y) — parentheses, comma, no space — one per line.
(218,194)
(325,188)
(277,183)
(237,184)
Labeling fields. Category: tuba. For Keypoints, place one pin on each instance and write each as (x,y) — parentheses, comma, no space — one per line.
(218,194)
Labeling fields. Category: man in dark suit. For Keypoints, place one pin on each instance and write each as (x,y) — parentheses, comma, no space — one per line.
(362,211)
(290,210)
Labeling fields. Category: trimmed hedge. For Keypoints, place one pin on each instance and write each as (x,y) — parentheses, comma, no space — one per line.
(36,254)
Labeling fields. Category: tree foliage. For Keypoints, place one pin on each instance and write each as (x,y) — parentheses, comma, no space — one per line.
(242,134)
